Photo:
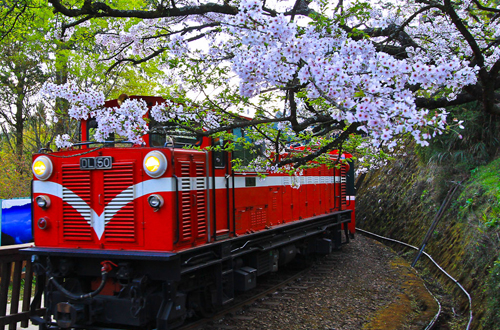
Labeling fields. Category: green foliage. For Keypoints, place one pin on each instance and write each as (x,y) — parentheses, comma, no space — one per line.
(15,174)
(482,194)
(479,207)
(466,148)
(24,57)
(424,195)
(492,318)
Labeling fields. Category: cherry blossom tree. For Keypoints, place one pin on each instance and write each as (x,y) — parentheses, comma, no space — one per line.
(314,72)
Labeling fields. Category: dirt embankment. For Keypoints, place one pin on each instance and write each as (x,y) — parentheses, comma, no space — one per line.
(401,200)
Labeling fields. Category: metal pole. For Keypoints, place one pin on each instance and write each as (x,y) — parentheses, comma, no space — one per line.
(438,217)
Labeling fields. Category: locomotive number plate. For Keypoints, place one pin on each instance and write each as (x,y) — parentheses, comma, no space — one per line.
(96,163)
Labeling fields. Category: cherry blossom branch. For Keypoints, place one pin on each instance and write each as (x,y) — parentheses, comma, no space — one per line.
(399,34)
(480,6)
(431,104)
(457,21)
(242,124)
(154,54)
(293,110)
(298,161)
(100,9)
(77,22)
(122,49)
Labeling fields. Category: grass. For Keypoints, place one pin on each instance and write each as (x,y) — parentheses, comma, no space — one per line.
(21,291)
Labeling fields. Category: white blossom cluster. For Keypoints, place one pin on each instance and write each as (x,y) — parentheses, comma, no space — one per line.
(355,82)
(367,86)
(163,112)
(135,37)
(168,110)
(81,103)
(63,141)
(126,120)
(438,36)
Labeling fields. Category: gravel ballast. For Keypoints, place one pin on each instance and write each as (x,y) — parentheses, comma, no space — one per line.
(364,286)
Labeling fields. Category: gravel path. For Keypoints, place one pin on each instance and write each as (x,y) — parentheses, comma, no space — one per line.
(364,286)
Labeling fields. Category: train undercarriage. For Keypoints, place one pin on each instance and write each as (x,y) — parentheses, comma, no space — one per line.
(94,289)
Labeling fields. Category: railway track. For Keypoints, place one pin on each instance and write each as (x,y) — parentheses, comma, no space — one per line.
(433,324)
(272,288)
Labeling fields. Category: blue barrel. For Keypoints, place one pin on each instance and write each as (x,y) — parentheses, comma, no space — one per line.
(15,221)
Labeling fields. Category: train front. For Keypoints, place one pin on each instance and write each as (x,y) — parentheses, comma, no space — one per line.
(103,228)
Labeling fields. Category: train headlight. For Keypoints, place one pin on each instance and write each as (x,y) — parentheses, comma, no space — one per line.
(155,164)
(43,201)
(42,167)
(155,201)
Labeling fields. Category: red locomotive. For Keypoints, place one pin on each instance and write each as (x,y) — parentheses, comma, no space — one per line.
(143,237)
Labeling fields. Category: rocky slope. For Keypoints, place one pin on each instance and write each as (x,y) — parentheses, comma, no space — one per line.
(402,199)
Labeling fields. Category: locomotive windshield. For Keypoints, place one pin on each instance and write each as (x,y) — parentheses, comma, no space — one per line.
(169,133)
(160,135)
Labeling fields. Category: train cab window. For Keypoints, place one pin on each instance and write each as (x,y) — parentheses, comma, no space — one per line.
(91,128)
(245,154)
(170,134)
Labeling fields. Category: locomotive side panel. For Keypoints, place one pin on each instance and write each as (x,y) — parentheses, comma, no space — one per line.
(252,201)
(298,198)
(220,196)
(192,195)
(286,196)
(313,197)
(276,205)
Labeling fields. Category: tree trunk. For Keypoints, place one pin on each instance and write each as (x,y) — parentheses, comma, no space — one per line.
(62,105)
(19,124)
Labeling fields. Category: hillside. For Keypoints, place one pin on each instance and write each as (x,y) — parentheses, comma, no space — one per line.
(401,200)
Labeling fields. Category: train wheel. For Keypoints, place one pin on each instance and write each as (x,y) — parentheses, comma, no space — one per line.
(201,302)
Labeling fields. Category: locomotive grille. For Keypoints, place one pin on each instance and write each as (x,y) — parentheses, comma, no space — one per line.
(200,186)
(119,196)
(258,217)
(193,199)
(343,185)
(76,192)
(185,201)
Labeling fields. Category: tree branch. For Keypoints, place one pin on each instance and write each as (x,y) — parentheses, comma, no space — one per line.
(100,9)
(430,104)
(448,8)
(480,6)
(298,161)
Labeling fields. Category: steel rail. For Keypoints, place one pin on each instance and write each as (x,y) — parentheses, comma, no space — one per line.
(433,321)
(434,262)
